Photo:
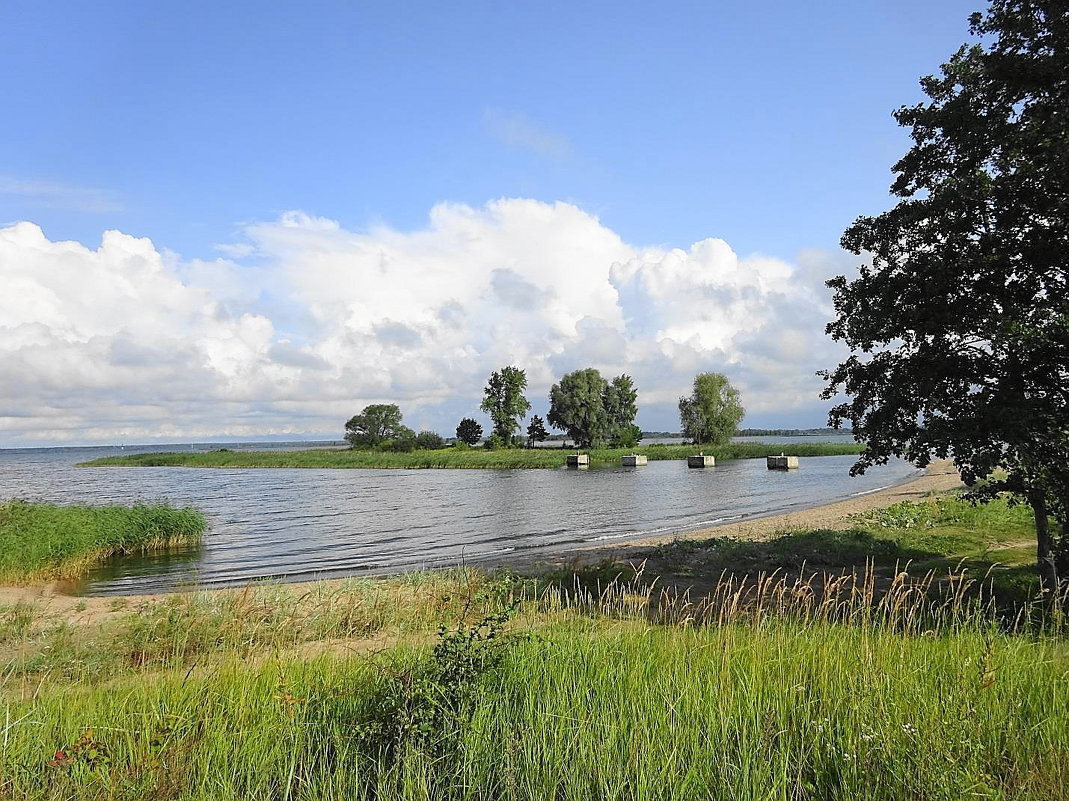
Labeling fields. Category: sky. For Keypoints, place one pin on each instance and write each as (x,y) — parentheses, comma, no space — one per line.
(241,221)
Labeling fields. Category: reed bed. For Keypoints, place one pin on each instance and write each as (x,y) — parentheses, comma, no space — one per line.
(43,542)
(458,458)
(863,685)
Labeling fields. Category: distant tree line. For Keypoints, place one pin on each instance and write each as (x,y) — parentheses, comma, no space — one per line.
(590,411)
(791,432)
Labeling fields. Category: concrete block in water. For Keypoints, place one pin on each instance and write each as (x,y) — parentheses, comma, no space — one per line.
(634,460)
(701,460)
(579,460)
(782,462)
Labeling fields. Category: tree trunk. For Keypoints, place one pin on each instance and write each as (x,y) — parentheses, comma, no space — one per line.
(1048,570)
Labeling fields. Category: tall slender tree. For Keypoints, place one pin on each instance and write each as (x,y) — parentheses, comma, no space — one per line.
(620,400)
(504,401)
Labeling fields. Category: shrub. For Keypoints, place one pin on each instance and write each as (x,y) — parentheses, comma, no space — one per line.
(429,440)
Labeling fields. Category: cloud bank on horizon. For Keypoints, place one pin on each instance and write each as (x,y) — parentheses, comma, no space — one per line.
(301,323)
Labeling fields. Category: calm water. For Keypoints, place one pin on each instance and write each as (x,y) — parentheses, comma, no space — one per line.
(298,524)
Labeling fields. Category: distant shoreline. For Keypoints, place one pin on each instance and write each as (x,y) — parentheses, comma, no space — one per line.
(461,458)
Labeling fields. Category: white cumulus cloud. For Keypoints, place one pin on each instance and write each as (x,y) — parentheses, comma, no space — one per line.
(307,322)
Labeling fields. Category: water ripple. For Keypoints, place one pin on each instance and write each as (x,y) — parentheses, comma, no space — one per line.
(295,524)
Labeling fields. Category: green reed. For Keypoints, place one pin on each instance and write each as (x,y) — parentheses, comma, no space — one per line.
(40,541)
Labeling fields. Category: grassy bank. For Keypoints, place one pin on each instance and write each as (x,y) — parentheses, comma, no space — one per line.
(467,458)
(529,692)
(811,666)
(938,536)
(41,541)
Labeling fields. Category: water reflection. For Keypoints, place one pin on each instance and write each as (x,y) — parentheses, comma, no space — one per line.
(178,563)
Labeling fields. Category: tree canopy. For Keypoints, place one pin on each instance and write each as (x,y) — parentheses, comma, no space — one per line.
(593,411)
(504,400)
(469,431)
(959,317)
(576,407)
(536,431)
(711,415)
(620,401)
(375,424)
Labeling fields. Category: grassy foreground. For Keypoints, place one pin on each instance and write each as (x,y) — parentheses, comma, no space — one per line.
(475,458)
(577,696)
(860,682)
(40,542)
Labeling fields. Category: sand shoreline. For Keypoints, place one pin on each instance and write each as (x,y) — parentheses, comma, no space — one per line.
(940,477)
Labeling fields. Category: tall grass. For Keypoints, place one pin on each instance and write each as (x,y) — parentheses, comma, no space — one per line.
(40,541)
(469,458)
(787,690)
(185,629)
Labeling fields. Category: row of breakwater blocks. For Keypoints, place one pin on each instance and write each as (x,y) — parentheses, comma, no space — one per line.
(581,461)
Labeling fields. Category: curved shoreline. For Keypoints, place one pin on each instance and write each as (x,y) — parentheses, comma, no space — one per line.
(940,477)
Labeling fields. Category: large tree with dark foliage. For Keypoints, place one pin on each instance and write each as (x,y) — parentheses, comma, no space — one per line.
(959,319)
(576,406)
(594,411)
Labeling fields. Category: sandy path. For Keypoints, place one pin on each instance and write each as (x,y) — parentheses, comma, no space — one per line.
(940,477)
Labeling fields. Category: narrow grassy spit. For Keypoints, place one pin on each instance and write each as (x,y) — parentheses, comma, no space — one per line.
(800,689)
(470,458)
(41,542)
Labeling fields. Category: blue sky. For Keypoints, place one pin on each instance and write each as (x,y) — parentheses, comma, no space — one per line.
(207,128)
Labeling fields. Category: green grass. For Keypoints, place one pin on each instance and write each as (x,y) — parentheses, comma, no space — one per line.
(464,458)
(939,532)
(40,541)
(186,629)
(941,536)
(467,685)
(586,707)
